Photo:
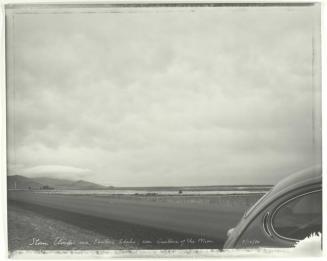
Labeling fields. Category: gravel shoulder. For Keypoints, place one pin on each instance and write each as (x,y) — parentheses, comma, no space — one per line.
(29,230)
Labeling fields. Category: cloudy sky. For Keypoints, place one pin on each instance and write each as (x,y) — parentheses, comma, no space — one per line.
(163,96)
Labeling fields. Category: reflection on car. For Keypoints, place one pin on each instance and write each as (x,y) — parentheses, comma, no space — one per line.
(290,212)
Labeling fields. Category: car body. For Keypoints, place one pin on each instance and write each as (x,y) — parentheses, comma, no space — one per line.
(289,212)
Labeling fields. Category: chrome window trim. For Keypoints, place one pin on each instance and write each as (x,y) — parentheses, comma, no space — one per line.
(265,224)
(276,210)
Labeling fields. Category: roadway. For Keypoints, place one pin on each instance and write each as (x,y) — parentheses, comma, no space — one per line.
(202,220)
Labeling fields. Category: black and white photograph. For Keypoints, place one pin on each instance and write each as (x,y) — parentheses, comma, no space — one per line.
(168,127)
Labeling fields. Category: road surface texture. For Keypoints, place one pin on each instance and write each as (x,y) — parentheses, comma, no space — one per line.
(145,224)
(34,228)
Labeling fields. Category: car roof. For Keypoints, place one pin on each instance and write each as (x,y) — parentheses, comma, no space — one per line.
(300,178)
(303,178)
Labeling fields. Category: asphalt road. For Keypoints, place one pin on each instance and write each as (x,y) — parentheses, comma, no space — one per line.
(180,219)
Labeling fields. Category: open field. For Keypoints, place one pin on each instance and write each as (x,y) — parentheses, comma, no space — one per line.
(141,222)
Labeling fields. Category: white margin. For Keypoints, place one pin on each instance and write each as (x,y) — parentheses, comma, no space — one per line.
(90,256)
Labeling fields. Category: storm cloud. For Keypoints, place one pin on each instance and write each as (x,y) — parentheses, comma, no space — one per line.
(167,96)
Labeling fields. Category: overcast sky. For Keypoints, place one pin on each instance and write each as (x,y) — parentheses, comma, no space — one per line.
(163,96)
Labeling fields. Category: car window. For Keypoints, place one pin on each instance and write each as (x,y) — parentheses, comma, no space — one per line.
(299,217)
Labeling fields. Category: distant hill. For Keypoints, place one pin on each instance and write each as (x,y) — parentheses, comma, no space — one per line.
(81,184)
(36,183)
(68,184)
(21,182)
(52,182)
(64,184)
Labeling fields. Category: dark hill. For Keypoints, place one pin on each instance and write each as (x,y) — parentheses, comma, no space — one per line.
(21,182)
(67,184)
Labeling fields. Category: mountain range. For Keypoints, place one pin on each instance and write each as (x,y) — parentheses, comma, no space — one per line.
(21,182)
